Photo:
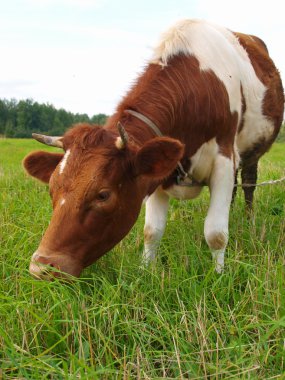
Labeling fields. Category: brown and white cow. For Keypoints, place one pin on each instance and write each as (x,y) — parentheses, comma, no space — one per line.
(214,96)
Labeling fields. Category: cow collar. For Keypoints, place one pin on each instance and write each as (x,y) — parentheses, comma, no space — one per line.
(146,120)
(181,174)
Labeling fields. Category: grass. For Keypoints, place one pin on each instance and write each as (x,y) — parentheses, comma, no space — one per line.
(175,320)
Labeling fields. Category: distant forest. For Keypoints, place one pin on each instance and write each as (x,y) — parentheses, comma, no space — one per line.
(21,118)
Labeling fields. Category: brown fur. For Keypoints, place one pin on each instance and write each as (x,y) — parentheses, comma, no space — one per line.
(191,108)
(41,164)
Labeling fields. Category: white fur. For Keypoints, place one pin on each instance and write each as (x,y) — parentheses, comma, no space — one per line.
(62,202)
(201,168)
(64,161)
(218,171)
(216,223)
(155,221)
(219,259)
(119,143)
(256,127)
(203,160)
(184,192)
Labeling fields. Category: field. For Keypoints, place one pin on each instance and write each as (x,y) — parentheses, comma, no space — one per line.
(175,320)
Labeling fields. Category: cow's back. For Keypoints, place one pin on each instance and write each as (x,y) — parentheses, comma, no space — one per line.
(215,48)
(241,62)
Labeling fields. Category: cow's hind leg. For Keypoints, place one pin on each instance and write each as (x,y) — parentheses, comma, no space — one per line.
(216,223)
(155,221)
(249,176)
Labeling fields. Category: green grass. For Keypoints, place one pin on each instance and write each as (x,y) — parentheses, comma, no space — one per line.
(175,320)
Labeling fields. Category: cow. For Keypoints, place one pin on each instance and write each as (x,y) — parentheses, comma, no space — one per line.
(208,102)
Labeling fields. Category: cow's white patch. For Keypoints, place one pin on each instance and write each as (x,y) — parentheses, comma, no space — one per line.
(183,192)
(256,128)
(201,168)
(216,223)
(119,143)
(62,202)
(219,259)
(218,170)
(64,161)
(219,50)
(155,220)
(202,161)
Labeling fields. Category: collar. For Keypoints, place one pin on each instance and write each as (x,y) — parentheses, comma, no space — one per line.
(181,174)
(146,120)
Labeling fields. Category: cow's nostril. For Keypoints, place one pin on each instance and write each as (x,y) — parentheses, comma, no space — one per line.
(40,267)
(46,266)
(43,271)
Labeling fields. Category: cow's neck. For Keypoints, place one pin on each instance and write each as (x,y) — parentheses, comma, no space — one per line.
(152,96)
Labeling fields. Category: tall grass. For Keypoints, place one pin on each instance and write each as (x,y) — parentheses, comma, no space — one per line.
(175,320)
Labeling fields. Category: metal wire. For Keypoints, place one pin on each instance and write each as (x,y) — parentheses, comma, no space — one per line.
(270,182)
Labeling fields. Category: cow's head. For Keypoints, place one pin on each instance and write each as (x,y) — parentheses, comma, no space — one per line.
(97,188)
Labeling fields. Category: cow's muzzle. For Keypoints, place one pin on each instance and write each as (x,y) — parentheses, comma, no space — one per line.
(56,265)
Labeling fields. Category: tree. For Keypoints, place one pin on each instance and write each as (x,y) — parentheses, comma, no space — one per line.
(3,116)
(99,119)
(9,129)
(22,118)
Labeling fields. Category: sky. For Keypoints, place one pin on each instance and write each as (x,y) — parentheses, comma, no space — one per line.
(83,55)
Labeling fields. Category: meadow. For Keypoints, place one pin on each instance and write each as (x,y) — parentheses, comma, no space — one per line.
(177,319)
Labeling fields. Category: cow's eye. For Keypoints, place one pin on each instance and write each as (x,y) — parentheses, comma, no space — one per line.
(103,195)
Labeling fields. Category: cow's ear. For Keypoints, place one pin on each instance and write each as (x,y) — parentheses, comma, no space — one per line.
(158,157)
(42,164)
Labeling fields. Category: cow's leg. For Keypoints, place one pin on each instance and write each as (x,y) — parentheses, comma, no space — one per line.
(249,176)
(216,223)
(155,221)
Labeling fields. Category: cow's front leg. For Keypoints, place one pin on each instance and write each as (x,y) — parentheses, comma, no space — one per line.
(217,220)
(155,221)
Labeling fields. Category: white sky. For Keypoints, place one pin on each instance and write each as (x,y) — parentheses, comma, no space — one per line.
(82,55)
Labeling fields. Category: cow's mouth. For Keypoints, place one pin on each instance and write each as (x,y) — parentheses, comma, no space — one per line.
(54,266)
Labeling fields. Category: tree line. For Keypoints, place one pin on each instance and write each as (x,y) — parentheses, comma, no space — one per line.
(21,118)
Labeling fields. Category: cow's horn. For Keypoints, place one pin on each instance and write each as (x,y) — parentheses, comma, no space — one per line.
(123,137)
(49,140)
